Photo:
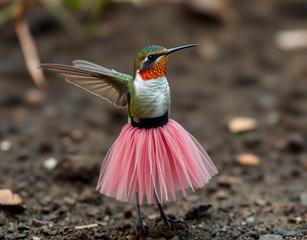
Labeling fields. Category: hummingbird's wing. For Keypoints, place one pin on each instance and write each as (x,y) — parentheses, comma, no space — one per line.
(100,81)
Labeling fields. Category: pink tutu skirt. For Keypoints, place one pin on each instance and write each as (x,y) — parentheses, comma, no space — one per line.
(155,163)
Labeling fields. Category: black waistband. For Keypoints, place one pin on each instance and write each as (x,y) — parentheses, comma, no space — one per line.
(151,122)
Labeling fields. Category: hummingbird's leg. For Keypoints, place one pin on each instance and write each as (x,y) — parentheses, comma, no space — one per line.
(163,215)
(168,221)
(139,220)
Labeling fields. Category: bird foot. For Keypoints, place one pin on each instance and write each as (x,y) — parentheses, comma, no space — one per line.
(172,222)
(141,229)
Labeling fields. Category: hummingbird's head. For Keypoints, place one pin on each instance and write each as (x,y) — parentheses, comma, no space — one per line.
(151,61)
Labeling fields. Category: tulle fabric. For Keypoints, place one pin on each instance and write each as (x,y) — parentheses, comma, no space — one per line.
(155,163)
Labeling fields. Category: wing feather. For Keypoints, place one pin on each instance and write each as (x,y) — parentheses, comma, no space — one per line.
(100,81)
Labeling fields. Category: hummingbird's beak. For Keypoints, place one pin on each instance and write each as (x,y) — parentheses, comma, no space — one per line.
(171,50)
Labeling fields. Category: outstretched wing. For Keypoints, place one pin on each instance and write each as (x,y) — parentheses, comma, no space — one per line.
(100,81)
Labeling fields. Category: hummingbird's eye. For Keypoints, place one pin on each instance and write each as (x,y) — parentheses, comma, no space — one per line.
(151,57)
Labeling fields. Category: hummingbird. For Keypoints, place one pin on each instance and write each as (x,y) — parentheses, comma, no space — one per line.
(153,156)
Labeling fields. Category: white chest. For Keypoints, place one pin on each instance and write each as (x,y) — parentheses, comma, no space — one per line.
(153,96)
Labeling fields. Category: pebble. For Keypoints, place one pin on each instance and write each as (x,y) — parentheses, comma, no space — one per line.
(261,202)
(270,237)
(228,181)
(5,146)
(221,195)
(291,39)
(303,199)
(295,220)
(50,163)
(23,227)
(242,124)
(248,160)
(226,206)
(153,216)
(250,219)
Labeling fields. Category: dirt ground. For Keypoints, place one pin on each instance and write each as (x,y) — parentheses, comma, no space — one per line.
(237,71)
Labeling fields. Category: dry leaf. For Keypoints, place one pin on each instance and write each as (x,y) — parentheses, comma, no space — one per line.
(248,160)
(7,198)
(242,124)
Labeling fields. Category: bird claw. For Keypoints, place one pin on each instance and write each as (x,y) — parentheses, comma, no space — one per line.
(170,222)
(141,229)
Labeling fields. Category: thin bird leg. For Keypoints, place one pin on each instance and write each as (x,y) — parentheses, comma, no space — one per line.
(139,220)
(162,213)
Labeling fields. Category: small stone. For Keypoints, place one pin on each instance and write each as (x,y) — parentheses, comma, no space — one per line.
(248,160)
(296,220)
(23,227)
(69,200)
(228,181)
(291,39)
(153,216)
(250,219)
(246,213)
(242,124)
(303,199)
(5,146)
(50,163)
(226,206)
(102,223)
(270,237)
(221,195)
(260,202)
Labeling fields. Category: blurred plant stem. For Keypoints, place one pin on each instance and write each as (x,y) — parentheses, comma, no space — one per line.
(16,10)
(27,43)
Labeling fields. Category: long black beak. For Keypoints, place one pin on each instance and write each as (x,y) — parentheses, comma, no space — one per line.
(171,50)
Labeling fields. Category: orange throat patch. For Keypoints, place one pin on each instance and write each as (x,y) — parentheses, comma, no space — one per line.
(157,71)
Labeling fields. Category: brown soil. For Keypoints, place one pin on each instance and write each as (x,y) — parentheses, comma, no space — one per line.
(237,71)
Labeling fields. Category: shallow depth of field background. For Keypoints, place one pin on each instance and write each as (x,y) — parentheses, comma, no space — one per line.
(242,93)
